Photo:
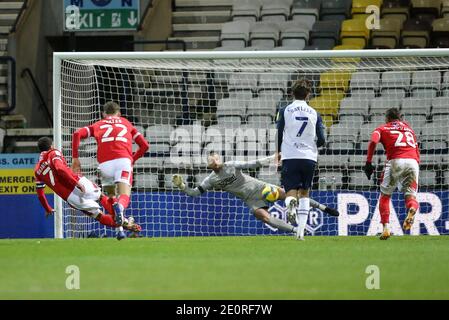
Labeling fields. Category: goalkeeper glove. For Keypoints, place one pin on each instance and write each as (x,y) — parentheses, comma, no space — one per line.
(369,169)
(178,182)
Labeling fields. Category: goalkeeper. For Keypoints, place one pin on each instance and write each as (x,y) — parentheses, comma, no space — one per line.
(229,177)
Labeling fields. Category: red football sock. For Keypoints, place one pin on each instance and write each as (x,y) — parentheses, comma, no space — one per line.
(107,204)
(411,202)
(384,208)
(124,200)
(107,220)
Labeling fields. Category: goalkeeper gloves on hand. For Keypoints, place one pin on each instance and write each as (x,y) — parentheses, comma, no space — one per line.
(178,182)
(369,169)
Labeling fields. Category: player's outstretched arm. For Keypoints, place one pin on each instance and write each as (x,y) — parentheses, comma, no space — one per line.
(369,168)
(77,136)
(178,181)
(252,164)
(143,146)
(40,186)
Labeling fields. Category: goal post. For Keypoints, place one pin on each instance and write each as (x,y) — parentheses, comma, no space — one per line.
(190,103)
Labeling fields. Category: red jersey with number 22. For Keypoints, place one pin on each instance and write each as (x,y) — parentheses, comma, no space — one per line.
(115,136)
(399,140)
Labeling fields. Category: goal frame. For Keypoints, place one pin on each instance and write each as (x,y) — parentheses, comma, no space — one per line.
(58,57)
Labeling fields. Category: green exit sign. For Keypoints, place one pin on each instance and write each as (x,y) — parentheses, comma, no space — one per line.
(101,15)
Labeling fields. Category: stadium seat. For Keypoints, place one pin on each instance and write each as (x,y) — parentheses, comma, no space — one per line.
(338,129)
(429,159)
(440,105)
(416,120)
(329,160)
(414,105)
(229,106)
(159,133)
(351,119)
(377,119)
(321,44)
(273,81)
(229,120)
(294,34)
(354,105)
(258,106)
(275,10)
(381,104)
(366,94)
(235,33)
(425,10)
(395,84)
(153,163)
(415,34)
(395,9)
(445,9)
(248,10)
(354,32)
(359,7)
(365,131)
(264,34)
(259,121)
(161,149)
(343,144)
(364,80)
(335,9)
(334,179)
(440,33)
(335,80)
(328,103)
(358,180)
(147,180)
(242,82)
(428,178)
(431,131)
(445,83)
(364,84)
(357,159)
(329,30)
(306,11)
(425,83)
(388,36)
(433,143)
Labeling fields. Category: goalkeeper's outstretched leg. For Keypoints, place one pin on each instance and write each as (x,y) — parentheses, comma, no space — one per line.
(314,204)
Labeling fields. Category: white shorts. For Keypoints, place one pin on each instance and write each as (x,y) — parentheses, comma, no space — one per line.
(117,170)
(402,174)
(87,201)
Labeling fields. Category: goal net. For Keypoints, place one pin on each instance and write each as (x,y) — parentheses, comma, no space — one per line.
(188,104)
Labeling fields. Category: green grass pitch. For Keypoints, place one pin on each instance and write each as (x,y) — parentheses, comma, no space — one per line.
(261,267)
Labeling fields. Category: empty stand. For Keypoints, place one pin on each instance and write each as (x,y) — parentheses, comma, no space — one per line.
(247,10)
(415,33)
(276,10)
(306,11)
(335,9)
(440,32)
(354,32)
(389,34)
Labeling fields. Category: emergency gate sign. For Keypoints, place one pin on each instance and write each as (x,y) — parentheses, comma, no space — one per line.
(101,15)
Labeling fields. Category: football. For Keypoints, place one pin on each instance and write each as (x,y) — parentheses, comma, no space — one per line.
(270,193)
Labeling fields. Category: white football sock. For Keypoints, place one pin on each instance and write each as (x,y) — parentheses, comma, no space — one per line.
(303,213)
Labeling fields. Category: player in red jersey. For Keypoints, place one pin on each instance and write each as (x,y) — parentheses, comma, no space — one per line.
(114,135)
(401,169)
(79,192)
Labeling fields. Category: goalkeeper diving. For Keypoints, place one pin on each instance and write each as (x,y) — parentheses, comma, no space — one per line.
(229,177)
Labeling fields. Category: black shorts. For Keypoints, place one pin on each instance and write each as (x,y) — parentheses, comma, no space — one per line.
(297,174)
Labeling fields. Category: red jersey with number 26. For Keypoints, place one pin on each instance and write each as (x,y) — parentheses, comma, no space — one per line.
(115,136)
(52,170)
(399,140)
